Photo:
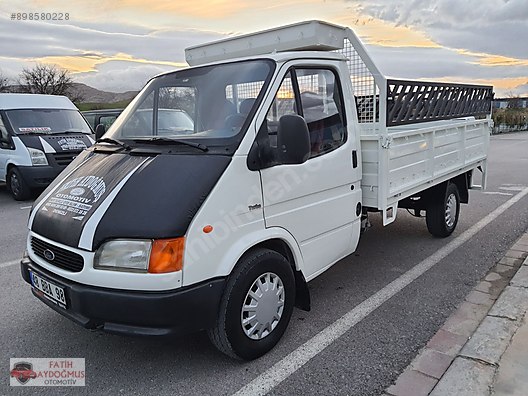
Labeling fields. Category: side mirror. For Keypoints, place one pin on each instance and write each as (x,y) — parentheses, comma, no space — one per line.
(293,140)
(99,131)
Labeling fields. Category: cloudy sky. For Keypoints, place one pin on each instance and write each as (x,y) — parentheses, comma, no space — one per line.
(117,45)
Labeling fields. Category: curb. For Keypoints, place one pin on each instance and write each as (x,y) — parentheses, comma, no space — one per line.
(471,342)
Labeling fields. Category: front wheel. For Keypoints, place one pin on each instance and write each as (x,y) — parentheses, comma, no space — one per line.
(256,306)
(17,185)
(442,215)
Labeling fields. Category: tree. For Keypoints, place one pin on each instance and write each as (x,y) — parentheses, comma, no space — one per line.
(4,83)
(46,79)
(514,101)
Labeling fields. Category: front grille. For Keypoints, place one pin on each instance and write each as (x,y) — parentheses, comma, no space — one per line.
(65,158)
(63,258)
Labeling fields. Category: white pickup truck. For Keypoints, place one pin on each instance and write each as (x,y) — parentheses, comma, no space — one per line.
(225,187)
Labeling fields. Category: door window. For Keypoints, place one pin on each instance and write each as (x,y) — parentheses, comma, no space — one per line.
(5,141)
(315,95)
(322,109)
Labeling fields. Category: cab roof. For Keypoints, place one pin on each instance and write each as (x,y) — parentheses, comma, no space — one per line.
(11,101)
(278,57)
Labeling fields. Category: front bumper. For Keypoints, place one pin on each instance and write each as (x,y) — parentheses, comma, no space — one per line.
(179,311)
(40,176)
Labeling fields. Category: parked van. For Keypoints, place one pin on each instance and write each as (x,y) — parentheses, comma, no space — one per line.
(104,116)
(224,188)
(40,135)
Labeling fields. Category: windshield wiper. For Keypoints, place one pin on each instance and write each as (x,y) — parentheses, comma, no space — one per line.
(163,140)
(114,141)
(76,131)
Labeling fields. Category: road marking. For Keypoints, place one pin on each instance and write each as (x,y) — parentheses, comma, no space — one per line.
(25,207)
(9,263)
(497,193)
(281,370)
(512,187)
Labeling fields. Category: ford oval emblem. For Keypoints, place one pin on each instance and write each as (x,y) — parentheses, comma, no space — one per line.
(49,255)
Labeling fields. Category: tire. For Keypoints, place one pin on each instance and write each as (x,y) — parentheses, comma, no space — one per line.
(17,185)
(442,215)
(237,332)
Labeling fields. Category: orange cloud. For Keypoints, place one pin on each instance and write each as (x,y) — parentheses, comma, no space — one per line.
(86,63)
(494,60)
(499,84)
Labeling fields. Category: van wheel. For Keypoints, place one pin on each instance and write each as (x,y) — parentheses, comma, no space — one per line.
(256,306)
(442,215)
(17,186)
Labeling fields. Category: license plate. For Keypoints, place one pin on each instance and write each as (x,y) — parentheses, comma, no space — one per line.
(50,290)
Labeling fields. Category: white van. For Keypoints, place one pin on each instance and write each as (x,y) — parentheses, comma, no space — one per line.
(39,136)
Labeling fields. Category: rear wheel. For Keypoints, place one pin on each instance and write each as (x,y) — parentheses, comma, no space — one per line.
(442,215)
(17,186)
(256,306)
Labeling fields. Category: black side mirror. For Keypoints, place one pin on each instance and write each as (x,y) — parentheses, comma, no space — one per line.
(99,131)
(293,140)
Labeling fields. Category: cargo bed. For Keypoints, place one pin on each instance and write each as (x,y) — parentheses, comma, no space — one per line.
(411,158)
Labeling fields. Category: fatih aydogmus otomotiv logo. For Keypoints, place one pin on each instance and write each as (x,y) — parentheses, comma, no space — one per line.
(47,372)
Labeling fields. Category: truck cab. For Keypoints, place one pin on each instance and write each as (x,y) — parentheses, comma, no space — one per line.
(217,219)
(39,136)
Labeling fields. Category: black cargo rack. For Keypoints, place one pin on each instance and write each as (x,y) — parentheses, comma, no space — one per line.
(410,102)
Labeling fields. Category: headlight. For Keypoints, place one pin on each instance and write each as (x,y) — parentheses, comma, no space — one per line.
(37,157)
(122,254)
(155,256)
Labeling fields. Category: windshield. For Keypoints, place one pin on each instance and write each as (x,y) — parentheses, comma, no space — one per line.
(46,121)
(210,105)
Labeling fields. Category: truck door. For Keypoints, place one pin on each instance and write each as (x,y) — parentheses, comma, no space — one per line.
(315,201)
(6,149)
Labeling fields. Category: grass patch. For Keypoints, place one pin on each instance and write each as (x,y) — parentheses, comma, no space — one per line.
(100,106)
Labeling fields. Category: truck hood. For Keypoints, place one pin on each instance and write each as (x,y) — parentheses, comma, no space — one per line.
(57,143)
(107,196)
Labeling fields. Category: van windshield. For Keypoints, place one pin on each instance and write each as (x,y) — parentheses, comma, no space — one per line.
(210,105)
(46,121)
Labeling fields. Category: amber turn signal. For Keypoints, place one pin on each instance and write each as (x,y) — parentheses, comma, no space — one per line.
(166,255)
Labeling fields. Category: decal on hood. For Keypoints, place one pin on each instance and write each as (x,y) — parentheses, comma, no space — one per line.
(76,197)
(64,213)
(71,144)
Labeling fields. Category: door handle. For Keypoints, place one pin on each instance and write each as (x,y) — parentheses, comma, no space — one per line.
(354,159)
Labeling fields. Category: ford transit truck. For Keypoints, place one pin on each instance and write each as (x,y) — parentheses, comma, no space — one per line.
(225,187)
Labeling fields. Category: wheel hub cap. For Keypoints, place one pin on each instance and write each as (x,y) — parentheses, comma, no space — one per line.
(15,184)
(451,210)
(263,306)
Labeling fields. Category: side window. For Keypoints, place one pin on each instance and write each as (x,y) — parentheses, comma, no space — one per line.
(107,120)
(321,106)
(5,141)
(90,118)
(322,109)
(284,103)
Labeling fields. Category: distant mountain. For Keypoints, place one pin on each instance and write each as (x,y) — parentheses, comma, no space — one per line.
(87,94)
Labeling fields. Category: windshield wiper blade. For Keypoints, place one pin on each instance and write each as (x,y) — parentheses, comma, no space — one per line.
(163,140)
(76,131)
(114,141)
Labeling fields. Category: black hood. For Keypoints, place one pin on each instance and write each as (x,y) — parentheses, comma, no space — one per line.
(124,196)
(57,143)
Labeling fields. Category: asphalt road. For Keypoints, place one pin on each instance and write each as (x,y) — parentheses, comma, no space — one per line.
(382,340)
